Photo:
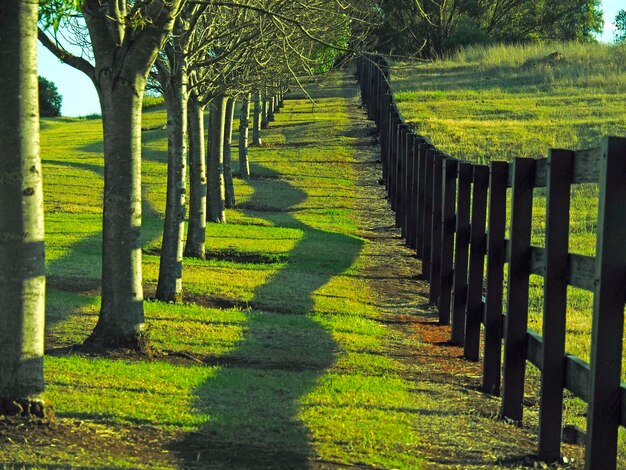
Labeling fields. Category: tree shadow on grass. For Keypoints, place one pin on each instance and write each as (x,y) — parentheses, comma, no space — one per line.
(253,412)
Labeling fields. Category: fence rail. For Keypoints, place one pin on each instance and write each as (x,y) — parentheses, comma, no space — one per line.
(444,206)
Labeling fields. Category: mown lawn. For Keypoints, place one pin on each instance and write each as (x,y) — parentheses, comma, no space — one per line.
(502,102)
(274,360)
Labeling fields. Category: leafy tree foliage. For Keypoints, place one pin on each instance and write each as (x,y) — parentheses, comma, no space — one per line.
(434,27)
(49,99)
(620,27)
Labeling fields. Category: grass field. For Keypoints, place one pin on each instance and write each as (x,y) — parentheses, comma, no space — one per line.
(502,102)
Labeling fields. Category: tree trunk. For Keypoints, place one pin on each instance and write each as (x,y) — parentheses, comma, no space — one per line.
(271,109)
(22,266)
(244,121)
(264,113)
(170,284)
(196,230)
(216,192)
(121,320)
(228,142)
(256,123)
(281,96)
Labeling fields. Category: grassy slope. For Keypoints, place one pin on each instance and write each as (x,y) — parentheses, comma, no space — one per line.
(506,102)
(291,367)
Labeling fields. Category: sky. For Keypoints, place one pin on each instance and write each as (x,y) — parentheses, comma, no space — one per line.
(80,97)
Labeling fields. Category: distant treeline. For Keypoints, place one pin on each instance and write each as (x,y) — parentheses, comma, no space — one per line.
(430,28)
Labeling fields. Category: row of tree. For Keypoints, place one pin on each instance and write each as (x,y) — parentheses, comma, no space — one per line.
(199,54)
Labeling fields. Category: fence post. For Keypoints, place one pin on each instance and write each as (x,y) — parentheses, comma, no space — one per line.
(391,176)
(422,149)
(382,108)
(402,170)
(474,313)
(435,235)
(461,252)
(397,185)
(375,88)
(428,213)
(603,417)
(384,137)
(411,190)
(516,332)
(448,214)
(559,180)
(492,360)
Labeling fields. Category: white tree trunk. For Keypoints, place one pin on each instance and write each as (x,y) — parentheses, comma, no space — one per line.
(22,265)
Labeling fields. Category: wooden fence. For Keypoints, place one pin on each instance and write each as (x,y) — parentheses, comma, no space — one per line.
(444,206)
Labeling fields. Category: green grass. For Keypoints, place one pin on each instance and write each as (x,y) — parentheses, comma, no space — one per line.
(292,364)
(502,102)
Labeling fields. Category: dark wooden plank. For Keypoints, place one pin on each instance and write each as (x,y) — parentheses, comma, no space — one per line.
(448,219)
(410,189)
(478,239)
(577,377)
(495,277)
(435,257)
(461,250)
(412,218)
(393,170)
(422,148)
(428,213)
(541,173)
(608,309)
(587,165)
(406,182)
(390,159)
(401,192)
(384,138)
(556,261)
(515,341)
(538,261)
(581,268)
(397,185)
(582,272)
(535,350)
(586,168)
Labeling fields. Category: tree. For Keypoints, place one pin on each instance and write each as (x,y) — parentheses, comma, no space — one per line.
(22,267)
(124,38)
(244,130)
(172,75)
(196,228)
(49,99)
(620,27)
(229,185)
